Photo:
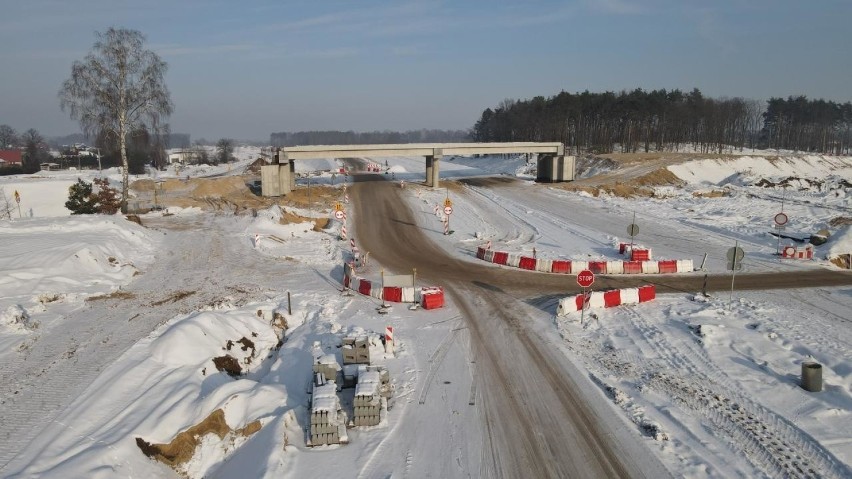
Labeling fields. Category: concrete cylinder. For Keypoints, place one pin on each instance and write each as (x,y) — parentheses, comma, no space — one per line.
(812,376)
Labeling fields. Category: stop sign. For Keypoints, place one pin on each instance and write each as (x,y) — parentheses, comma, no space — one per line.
(585,278)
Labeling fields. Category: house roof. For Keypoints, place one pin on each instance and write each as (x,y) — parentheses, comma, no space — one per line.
(11,156)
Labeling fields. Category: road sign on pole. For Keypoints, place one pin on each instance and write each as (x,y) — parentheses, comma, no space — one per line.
(735,256)
(585,278)
(338,214)
(781,219)
(448,210)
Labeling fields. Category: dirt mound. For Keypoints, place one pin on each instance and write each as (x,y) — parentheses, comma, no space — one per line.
(183,446)
(228,364)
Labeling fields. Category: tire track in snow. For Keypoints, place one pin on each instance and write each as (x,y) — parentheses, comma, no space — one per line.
(772,443)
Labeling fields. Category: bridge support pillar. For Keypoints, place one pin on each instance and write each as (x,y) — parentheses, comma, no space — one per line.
(433,168)
(555,168)
(278,179)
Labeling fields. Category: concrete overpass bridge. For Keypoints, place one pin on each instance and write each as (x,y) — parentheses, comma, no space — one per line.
(280,179)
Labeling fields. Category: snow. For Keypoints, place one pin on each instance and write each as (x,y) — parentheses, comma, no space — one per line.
(695,379)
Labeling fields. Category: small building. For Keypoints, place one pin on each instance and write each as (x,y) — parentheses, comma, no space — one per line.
(11,157)
(184,156)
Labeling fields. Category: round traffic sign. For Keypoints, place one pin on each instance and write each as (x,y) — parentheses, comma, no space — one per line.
(789,251)
(633,229)
(448,210)
(585,278)
(338,214)
(781,219)
(737,253)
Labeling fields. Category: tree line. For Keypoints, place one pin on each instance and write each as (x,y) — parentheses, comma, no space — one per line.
(669,120)
(333,137)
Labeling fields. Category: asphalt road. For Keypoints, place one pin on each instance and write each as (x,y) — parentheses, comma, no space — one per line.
(536,422)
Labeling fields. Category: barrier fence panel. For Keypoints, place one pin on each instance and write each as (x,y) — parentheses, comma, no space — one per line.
(632,267)
(612,298)
(500,257)
(489,256)
(544,265)
(668,266)
(650,267)
(597,267)
(559,266)
(630,296)
(527,263)
(647,293)
(578,266)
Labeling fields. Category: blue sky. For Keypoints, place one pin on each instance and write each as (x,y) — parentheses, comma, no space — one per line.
(246,69)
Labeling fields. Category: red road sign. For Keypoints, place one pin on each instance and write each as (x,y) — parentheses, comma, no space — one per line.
(448,210)
(585,278)
(338,214)
(781,219)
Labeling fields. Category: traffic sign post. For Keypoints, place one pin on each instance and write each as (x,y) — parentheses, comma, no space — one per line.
(585,279)
(632,230)
(338,214)
(448,210)
(735,257)
(780,220)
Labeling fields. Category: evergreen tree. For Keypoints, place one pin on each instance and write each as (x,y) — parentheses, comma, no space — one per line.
(80,199)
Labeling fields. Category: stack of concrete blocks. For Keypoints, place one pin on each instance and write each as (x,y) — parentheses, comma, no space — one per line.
(368,402)
(356,350)
(328,423)
(371,395)
(328,366)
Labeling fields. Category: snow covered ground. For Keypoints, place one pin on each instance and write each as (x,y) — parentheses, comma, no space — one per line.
(710,383)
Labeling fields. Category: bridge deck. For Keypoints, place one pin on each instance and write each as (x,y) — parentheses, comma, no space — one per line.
(415,149)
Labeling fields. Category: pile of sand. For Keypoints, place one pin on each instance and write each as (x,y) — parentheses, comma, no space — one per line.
(181,449)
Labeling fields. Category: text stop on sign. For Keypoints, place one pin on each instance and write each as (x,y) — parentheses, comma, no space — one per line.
(585,278)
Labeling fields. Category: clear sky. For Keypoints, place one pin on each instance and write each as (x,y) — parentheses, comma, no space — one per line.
(244,69)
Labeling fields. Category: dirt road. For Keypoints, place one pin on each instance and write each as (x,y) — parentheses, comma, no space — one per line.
(537,424)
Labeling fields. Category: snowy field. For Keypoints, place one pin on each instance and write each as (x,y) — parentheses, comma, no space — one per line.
(710,385)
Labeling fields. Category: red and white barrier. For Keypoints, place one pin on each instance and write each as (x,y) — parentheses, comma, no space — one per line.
(389,339)
(634,252)
(605,299)
(430,297)
(801,252)
(516,260)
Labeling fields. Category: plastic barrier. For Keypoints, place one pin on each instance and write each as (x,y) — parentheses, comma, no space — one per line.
(432,298)
(685,266)
(801,252)
(480,252)
(650,267)
(612,298)
(577,266)
(622,247)
(513,260)
(596,299)
(647,293)
(544,265)
(500,257)
(630,296)
(606,299)
(393,293)
(409,295)
(559,266)
(597,267)
(527,263)
(632,267)
(615,267)
(640,254)
(669,266)
(489,256)
(364,287)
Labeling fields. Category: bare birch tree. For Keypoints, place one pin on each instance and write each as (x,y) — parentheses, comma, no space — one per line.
(118,87)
